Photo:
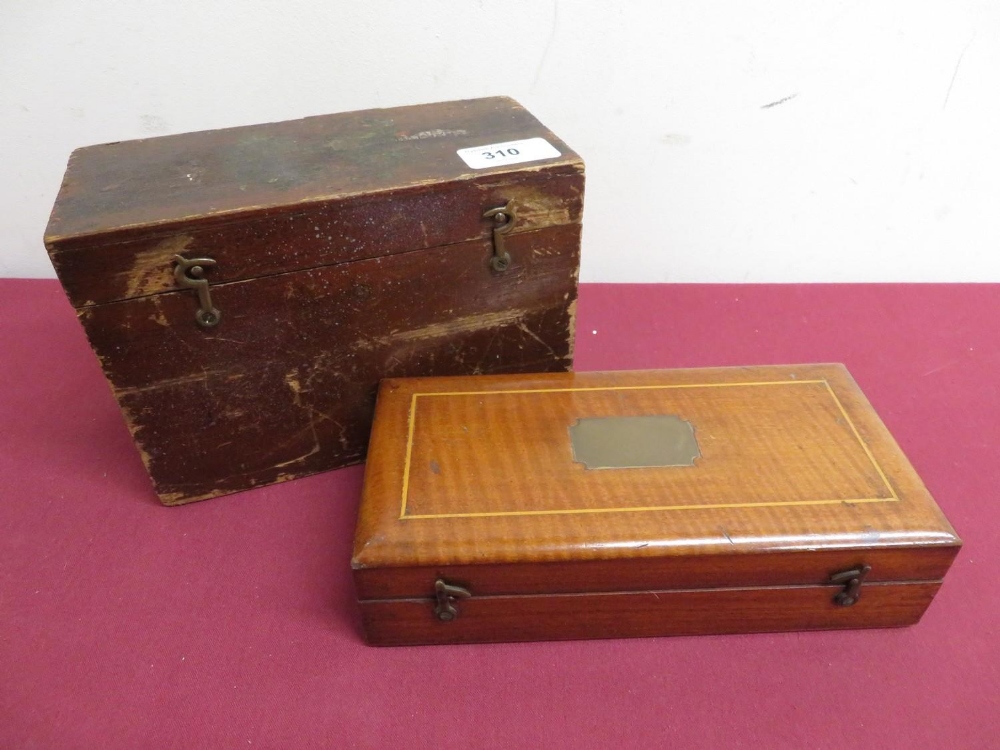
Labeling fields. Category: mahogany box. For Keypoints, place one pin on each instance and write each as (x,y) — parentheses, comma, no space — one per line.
(245,289)
(597,505)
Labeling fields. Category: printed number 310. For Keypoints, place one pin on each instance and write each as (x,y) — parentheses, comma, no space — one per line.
(501,152)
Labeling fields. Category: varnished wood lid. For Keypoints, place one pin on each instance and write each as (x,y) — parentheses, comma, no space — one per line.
(480,471)
(167,180)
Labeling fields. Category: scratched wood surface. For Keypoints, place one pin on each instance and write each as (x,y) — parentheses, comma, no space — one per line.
(228,172)
(348,247)
(473,480)
(324,233)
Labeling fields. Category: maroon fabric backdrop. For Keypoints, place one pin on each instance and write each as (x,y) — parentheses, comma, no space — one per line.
(231,624)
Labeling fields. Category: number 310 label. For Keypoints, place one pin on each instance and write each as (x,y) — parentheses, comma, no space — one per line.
(511,152)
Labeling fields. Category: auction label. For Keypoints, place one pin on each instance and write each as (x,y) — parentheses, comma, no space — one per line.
(511,152)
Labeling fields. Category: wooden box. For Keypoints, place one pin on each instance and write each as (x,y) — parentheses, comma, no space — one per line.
(245,289)
(596,505)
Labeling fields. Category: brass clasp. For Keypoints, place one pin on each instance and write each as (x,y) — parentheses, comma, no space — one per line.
(189,274)
(503,221)
(852,580)
(446,597)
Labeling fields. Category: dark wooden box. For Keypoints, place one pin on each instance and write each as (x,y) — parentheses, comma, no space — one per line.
(335,251)
(775,500)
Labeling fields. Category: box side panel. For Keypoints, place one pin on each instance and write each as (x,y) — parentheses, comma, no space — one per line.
(285,385)
(95,270)
(640,614)
(642,573)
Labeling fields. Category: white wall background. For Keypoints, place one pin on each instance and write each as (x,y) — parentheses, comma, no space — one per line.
(799,140)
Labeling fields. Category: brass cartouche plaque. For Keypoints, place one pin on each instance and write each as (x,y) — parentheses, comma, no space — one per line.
(633,442)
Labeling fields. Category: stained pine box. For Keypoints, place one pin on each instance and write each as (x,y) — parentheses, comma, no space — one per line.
(245,289)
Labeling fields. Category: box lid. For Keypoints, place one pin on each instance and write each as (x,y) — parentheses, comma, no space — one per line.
(792,476)
(377,172)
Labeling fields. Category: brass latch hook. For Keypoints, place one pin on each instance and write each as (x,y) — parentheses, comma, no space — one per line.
(189,274)
(503,221)
(851,580)
(446,597)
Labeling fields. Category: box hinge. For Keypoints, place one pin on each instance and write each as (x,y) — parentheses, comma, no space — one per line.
(447,596)
(851,580)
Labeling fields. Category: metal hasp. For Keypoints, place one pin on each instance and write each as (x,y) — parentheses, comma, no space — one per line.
(503,221)
(852,580)
(189,274)
(446,596)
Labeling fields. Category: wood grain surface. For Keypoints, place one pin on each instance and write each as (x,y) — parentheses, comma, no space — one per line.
(786,442)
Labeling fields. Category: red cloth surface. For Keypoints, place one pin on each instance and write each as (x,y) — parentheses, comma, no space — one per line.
(231,623)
